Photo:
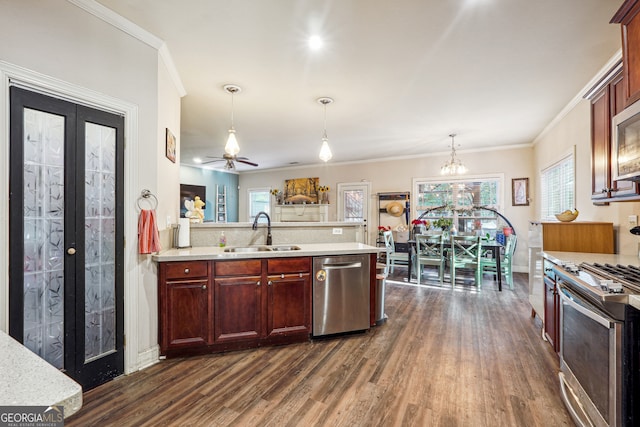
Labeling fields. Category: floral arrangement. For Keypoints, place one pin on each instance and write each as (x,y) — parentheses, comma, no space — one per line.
(275,192)
(383,228)
(443,223)
(323,188)
(418,222)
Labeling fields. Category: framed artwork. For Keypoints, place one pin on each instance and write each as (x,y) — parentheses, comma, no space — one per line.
(189,192)
(301,190)
(171,146)
(520,191)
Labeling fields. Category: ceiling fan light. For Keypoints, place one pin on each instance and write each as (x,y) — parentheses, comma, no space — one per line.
(325,151)
(232,148)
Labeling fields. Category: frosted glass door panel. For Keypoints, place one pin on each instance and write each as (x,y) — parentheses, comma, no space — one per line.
(44,235)
(100,208)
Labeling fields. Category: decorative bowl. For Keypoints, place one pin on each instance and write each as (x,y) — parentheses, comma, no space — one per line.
(567,216)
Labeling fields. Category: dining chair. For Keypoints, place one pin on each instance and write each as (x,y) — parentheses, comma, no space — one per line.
(466,252)
(489,264)
(430,251)
(393,257)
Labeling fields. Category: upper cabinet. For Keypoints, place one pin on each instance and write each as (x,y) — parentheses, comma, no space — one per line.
(629,17)
(607,99)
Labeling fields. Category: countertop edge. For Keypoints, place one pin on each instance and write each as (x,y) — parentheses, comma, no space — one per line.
(306,250)
(32,381)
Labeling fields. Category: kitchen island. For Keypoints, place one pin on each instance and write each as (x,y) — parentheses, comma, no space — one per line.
(214,299)
(29,380)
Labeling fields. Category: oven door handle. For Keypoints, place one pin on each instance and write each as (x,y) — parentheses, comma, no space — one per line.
(578,303)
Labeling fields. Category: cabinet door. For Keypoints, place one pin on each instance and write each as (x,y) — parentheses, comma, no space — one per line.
(550,312)
(238,308)
(185,315)
(289,304)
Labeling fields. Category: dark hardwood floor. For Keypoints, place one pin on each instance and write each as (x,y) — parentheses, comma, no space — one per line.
(444,358)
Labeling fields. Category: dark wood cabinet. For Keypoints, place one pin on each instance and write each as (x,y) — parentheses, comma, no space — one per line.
(209,306)
(288,297)
(185,302)
(238,308)
(238,300)
(628,16)
(551,307)
(607,100)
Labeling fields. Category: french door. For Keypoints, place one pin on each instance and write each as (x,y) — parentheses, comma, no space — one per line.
(66,237)
(353,203)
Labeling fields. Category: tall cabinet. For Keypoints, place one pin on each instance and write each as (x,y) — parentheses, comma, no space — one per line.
(221,203)
(607,99)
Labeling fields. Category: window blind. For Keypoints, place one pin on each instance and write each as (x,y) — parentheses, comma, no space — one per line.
(558,188)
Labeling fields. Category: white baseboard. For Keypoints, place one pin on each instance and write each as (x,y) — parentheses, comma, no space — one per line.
(148,357)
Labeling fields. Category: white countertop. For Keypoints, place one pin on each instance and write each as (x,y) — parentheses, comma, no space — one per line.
(28,380)
(579,257)
(306,249)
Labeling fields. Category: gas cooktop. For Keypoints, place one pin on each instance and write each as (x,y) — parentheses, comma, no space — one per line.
(603,282)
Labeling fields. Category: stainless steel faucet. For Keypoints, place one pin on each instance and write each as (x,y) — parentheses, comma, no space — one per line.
(255,225)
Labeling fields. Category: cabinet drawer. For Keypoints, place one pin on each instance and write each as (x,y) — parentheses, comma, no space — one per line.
(289,265)
(247,267)
(186,270)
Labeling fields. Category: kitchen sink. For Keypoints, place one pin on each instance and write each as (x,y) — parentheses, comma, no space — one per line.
(262,248)
(248,249)
(285,248)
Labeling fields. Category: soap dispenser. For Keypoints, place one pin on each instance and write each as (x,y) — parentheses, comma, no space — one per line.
(223,240)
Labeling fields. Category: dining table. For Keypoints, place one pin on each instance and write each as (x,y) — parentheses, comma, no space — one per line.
(493,245)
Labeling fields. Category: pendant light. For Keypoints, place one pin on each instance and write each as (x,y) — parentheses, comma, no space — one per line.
(325,151)
(453,166)
(232,148)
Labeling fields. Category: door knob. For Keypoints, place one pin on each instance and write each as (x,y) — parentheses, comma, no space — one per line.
(71,251)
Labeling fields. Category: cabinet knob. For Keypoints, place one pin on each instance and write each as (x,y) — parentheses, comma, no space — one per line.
(187,271)
(269,283)
(258,283)
(71,251)
(204,287)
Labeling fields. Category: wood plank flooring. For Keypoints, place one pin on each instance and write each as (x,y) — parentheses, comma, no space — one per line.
(444,358)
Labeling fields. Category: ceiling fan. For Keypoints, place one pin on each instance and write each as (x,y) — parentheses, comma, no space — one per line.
(230,159)
(232,148)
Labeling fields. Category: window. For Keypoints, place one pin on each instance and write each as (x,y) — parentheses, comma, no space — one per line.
(558,188)
(461,200)
(259,200)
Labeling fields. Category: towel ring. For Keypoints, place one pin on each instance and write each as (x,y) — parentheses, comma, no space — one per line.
(146,195)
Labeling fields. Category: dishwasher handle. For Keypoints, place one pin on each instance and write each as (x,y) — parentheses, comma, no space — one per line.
(342,265)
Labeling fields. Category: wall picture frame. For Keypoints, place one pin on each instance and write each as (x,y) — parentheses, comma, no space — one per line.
(170,146)
(520,191)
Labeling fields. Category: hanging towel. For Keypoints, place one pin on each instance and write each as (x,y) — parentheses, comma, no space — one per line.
(148,237)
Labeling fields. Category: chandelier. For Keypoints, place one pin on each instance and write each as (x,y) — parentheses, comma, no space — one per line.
(453,166)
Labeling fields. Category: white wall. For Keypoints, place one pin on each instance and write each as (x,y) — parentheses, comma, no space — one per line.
(398,175)
(62,41)
(575,130)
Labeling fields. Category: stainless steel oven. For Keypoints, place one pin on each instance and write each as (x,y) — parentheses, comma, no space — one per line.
(600,344)
(590,361)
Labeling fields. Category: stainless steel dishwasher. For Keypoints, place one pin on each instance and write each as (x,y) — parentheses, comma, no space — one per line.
(340,294)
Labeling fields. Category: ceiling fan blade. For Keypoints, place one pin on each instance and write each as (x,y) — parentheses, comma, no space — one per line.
(246,162)
(212,161)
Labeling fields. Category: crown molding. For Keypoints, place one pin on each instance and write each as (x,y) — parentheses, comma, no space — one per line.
(615,59)
(110,17)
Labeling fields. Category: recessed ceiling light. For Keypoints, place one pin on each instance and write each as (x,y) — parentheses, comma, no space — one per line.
(197,160)
(315,42)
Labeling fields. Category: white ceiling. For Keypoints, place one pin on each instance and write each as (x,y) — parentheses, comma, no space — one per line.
(404,74)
